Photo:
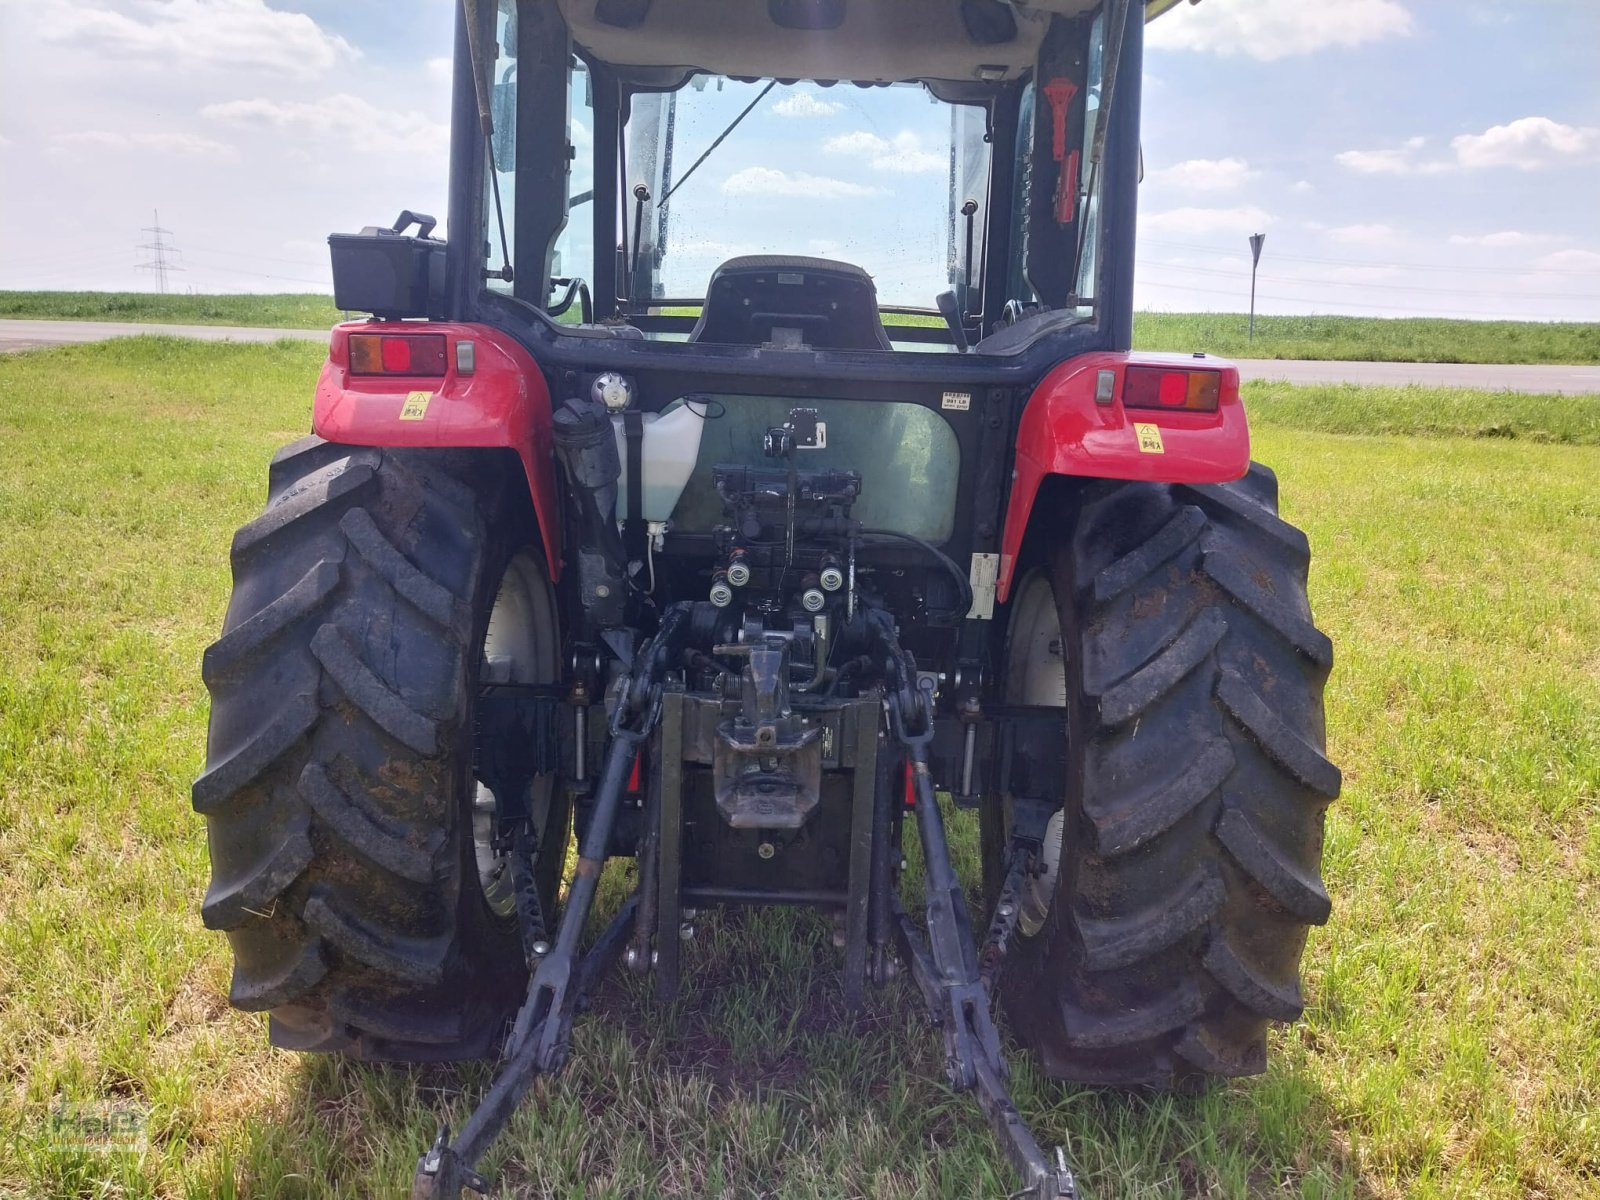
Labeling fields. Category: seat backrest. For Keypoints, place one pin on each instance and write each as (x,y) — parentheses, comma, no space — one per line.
(784,300)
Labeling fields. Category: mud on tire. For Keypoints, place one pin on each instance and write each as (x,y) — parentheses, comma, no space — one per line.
(1197,785)
(338,782)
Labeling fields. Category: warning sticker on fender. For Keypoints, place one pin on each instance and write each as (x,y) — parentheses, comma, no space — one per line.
(1149,438)
(416,406)
(959,401)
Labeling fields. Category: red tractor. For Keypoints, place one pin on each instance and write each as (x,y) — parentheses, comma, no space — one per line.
(657,510)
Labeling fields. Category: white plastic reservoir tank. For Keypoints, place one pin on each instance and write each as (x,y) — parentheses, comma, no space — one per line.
(667,457)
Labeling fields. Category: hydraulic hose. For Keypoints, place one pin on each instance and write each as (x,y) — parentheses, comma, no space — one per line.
(963,585)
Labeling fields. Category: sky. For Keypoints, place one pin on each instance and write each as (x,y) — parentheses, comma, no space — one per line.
(1403,157)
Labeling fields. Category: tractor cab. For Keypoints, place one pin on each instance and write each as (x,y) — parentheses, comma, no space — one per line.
(832,177)
(613,159)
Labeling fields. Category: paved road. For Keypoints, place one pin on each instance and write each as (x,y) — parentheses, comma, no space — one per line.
(1572,380)
(31,335)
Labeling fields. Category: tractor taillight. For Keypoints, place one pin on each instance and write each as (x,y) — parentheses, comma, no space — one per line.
(397,354)
(1183,391)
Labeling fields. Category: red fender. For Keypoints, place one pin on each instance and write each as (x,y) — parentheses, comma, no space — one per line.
(1064,431)
(503,403)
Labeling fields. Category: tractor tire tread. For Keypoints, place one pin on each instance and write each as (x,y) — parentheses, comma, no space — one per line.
(384,707)
(416,960)
(240,645)
(233,903)
(1115,942)
(1175,536)
(1173,1009)
(1125,700)
(1280,1002)
(1123,827)
(366,829)
(1197,787)
(416,586)
(306,968)
(222,781)
(1278,876)
(306,499)
(1310,768)
(341,870)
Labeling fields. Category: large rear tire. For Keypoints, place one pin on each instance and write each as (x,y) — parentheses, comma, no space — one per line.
(338,791)
(1172,625)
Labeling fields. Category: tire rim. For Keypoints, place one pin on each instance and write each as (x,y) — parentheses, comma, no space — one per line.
(514,651)
(1036,676)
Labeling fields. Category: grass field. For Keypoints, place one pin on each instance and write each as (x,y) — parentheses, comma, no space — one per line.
(1375,339)
(288,311)
(1362,338)
(1450,1046)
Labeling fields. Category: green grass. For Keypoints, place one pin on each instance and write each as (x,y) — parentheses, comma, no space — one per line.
(1428,411)
(1373,339)
(1451,1040)
(1361,338)
(287,311)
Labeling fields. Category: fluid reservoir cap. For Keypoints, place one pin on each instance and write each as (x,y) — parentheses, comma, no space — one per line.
(613,390)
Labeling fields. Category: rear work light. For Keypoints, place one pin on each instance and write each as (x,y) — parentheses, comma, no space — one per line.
(1180,391)
(397,354)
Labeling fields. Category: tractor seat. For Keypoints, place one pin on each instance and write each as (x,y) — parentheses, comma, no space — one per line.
(791,302)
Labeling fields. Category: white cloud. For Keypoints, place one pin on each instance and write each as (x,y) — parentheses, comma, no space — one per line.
(1274,29)
(231,34)
(903,154)
(1528,144)
(1405,160)
(1363,235)
(806,104)
(4,141)
(766,181)
(1509,239)
(1303,187)
(176,145)
(1206,174)
(359,124)
(1199,221)
(1375,162)
(439,68)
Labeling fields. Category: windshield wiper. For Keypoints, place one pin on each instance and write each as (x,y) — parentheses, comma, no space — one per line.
(734,124)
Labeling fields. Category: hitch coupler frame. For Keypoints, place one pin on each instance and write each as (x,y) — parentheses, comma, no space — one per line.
(541,1035)
(947,969)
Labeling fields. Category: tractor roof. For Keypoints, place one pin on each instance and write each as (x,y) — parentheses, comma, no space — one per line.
(866,41)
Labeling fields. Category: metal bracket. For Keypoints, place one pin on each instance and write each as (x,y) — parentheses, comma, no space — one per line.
(947,971)
(541,1034)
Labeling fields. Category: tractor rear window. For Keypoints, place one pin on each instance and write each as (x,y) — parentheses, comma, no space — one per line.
(907,455)
(873,176)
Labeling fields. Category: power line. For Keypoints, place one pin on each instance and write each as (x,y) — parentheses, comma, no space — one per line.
(231,270)
(160,262)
